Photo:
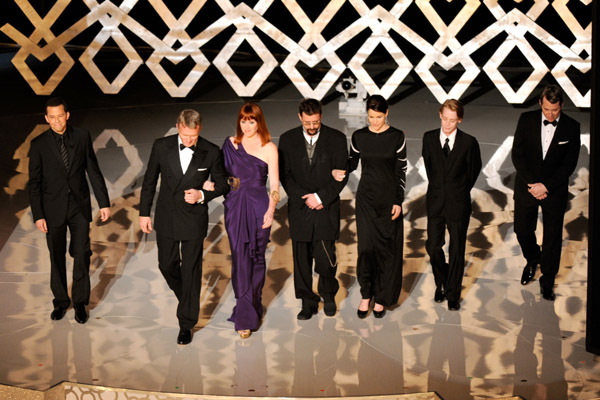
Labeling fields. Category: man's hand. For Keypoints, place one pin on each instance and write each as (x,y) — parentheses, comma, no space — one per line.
(538,190)
(396,210)
(41,225)
(192,196)
(146,224)
(104,214)
(311,201)
(338,174)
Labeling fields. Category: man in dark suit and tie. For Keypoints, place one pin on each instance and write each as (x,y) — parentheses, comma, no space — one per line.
(184,162)
(545,152)
(452,161)
(59,160)
(307,155)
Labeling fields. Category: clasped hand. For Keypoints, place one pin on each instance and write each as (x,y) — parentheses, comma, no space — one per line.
(538,190)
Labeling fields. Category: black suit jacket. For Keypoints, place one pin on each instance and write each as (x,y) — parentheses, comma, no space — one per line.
(451,179)
(300,177)
(560,162)
(174,218)
(50,184)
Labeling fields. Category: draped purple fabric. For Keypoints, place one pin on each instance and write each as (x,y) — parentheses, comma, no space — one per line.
(245,208)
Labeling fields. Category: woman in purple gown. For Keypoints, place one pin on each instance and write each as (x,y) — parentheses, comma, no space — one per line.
(250,157)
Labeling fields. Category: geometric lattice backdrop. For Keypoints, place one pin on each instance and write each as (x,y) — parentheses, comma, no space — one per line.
(448,45)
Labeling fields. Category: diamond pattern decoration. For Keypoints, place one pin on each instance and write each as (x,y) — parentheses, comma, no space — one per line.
(177,45)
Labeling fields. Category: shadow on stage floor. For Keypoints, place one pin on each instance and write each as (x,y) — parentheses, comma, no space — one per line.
(506,340)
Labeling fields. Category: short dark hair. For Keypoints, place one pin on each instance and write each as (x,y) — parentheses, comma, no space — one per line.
(55,102)
(454,105)
(553,94)
(190,118)
(310,107)
(376,102)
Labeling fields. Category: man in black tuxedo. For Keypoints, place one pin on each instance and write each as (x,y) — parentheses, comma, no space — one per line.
(184,162)
(59,160)
(307,155)
(452,161)
(545,152)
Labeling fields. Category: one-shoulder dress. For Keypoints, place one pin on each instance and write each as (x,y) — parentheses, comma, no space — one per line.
(245,206)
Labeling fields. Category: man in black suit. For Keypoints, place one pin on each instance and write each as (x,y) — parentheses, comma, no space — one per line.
(545,152)
(184,162)
(307,155)
(59,195)
(452,161)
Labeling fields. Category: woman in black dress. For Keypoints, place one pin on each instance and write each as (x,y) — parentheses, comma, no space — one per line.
(382,152)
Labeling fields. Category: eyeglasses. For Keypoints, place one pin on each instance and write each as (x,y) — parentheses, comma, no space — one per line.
(311,123)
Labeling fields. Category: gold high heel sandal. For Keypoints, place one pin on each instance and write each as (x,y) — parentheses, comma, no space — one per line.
(244,333)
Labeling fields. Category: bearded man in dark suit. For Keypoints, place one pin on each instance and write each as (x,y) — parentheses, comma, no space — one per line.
(453,162)
(183,162)
(307,156)
(59,160)
(545,152)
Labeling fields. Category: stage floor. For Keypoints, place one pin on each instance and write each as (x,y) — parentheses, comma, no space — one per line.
(506,340)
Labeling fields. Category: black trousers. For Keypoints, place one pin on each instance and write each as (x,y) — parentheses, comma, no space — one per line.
(548,256)
(79,249)
(447,275)
(323,253)
(180,263)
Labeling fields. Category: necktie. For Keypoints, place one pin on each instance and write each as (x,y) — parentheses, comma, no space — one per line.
(310,148)
(63,153)
(546,122)
(446,147)
(183,146)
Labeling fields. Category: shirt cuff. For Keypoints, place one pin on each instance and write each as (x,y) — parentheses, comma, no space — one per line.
(318,198)
(201,201)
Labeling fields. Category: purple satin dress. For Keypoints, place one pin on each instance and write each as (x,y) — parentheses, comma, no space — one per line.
(245,208)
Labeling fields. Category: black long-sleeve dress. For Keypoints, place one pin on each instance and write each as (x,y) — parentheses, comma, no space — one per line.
(382,184)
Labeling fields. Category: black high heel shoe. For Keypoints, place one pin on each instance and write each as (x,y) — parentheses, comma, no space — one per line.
(379,314)
(363,314)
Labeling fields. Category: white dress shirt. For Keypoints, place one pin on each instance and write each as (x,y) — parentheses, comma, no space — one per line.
(547,135)
(452,138)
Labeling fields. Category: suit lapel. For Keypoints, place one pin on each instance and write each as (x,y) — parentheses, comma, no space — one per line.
(51,144)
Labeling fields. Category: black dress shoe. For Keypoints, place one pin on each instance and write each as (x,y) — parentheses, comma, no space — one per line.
(330,308)
(548,294)
(362,314)
(184,337)
(58,313)
(528,273)
(453,305)
(81,315)
(440,295)
(306,313)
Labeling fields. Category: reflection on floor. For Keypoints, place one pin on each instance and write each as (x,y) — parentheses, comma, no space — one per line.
(506,340)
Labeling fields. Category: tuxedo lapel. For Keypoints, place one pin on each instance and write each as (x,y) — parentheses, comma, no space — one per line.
(537,138)
(174,161)
(195,163)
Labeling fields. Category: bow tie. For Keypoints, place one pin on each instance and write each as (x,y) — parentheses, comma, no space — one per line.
(183,146)
(546,122)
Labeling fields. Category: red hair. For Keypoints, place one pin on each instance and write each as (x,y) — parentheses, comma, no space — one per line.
(252,111)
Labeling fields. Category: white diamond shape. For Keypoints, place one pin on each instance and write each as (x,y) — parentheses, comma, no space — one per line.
(269,62)
(404,66)
(539,70)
